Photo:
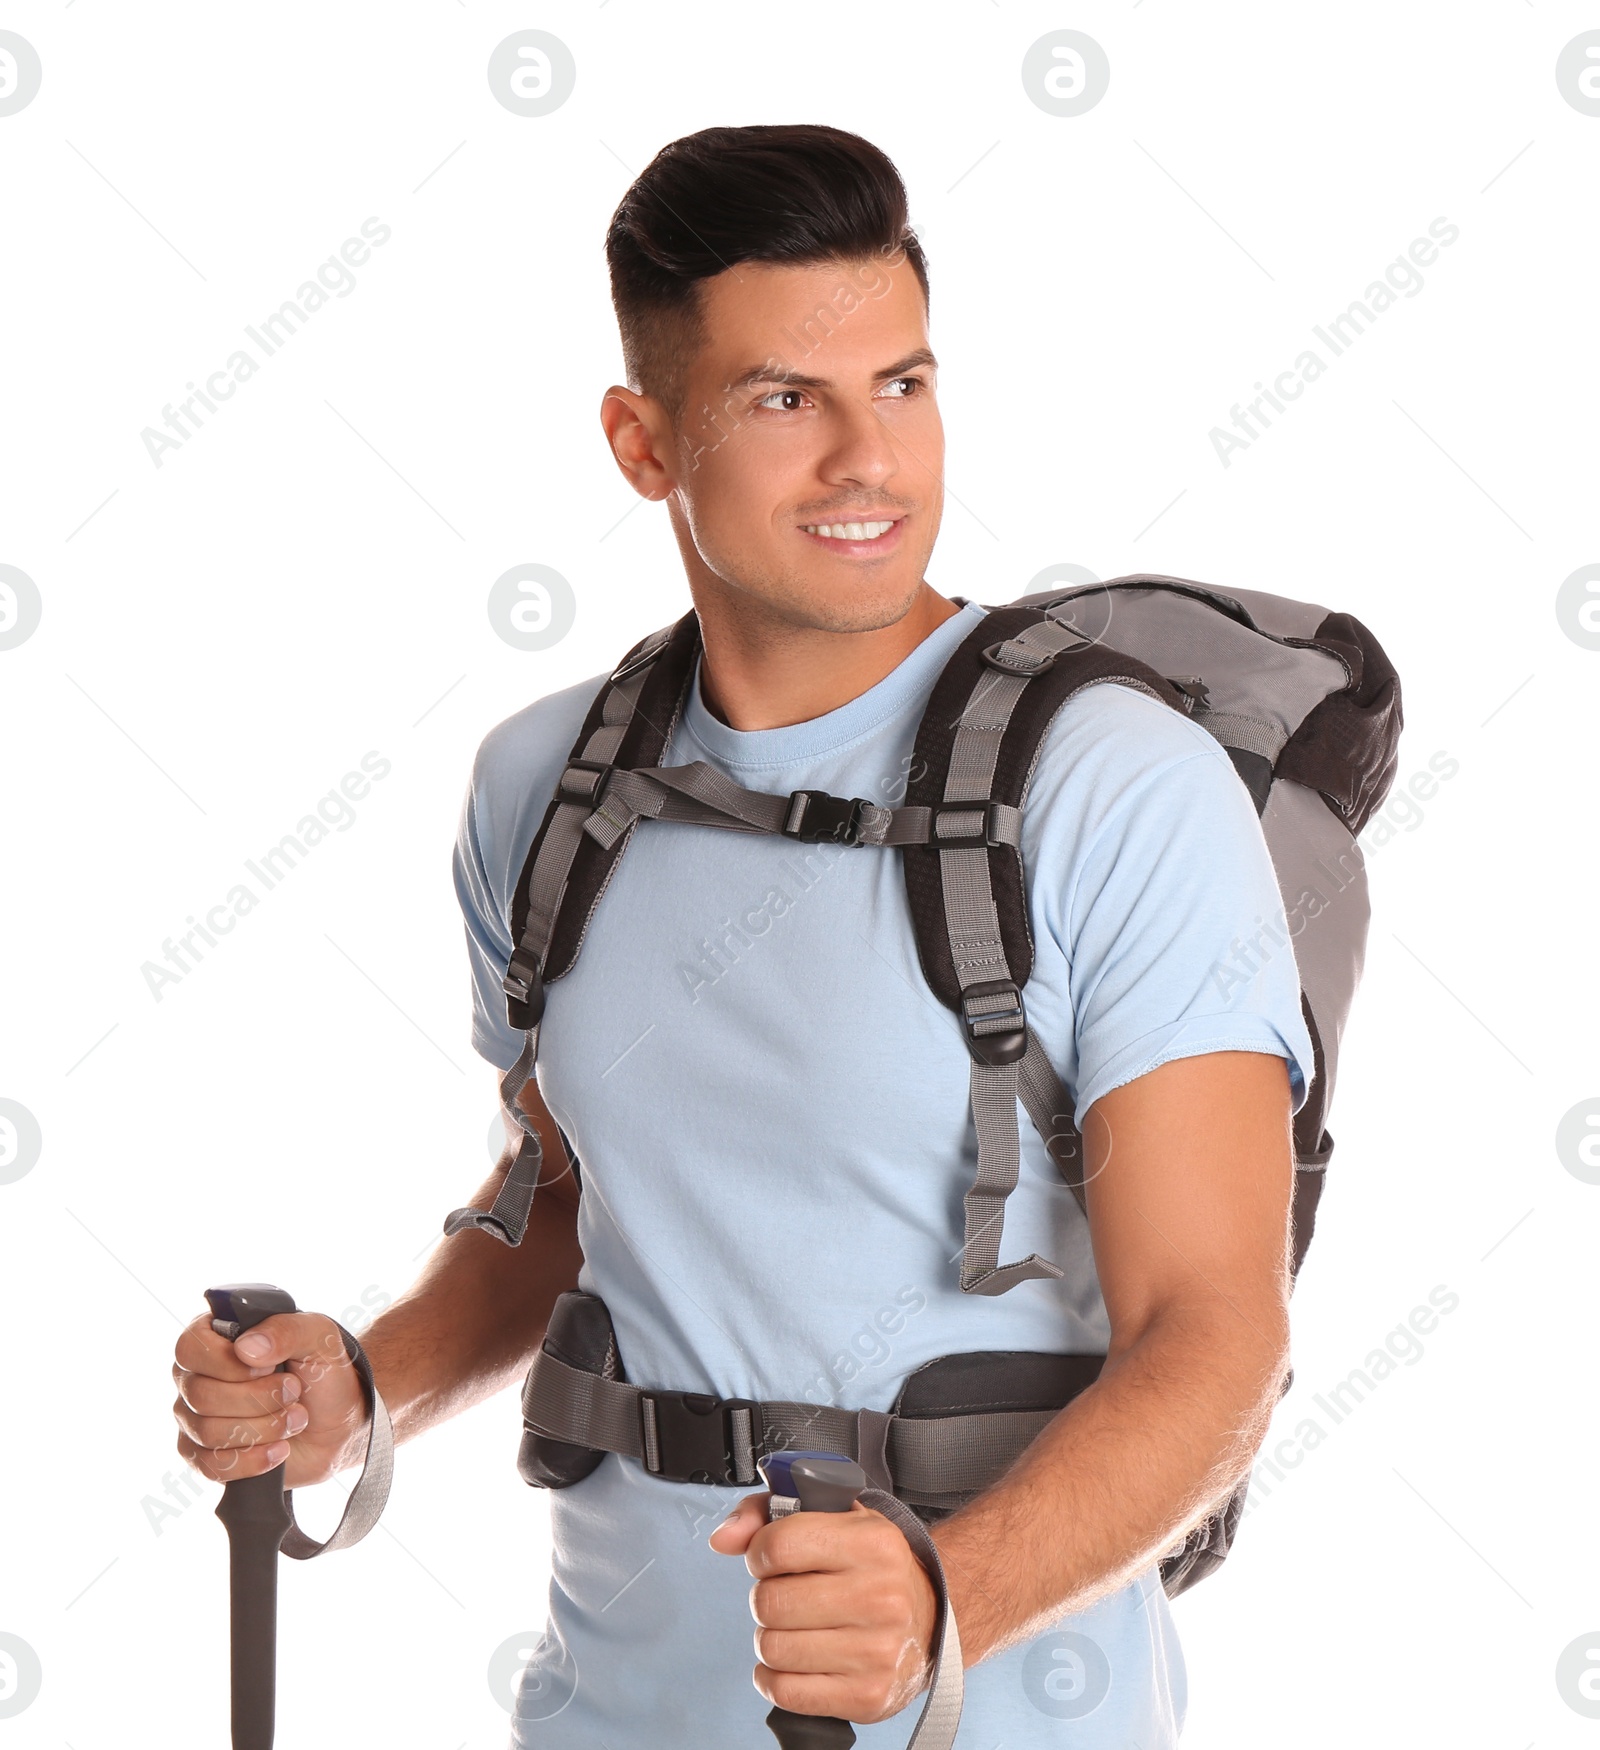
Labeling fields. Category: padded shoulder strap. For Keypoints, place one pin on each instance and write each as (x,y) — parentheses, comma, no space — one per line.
(563,876)
(976,749)
(626,726)
(978,742)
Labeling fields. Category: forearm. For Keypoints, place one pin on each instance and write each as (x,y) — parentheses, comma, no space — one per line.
(1162,1436)
(472,1321)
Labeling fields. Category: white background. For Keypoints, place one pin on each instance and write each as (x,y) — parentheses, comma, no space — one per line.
(224,637)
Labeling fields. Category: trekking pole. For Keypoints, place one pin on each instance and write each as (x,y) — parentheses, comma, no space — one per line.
(811,1482)
(256,1515)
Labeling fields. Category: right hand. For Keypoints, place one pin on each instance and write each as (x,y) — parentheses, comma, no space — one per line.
(237,1416)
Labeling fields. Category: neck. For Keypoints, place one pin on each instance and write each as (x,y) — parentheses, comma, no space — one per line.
(769,674)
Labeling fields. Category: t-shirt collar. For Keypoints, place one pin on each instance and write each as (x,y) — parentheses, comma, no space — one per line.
(905,686)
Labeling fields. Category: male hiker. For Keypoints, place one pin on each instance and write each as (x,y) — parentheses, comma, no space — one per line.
(769,1110)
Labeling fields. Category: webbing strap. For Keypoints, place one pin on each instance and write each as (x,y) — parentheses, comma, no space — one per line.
(991,1001)
(929,1458)
(1049,1105)
(507,1217)
(698,794)
(368,1497)
(994,1112)
(941,1712)
(1251,734)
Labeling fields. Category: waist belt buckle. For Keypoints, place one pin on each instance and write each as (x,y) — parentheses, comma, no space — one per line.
(692,1437)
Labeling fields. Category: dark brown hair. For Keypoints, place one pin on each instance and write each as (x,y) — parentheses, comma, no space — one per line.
(793,194)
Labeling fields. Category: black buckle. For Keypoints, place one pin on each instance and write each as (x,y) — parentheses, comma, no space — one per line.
(693,1436)
(816,818)
(1004,1044)
(524,990)
(1194,692)
(970,841)
(571,789)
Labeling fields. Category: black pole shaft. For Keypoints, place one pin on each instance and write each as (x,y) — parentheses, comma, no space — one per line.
(256,1516)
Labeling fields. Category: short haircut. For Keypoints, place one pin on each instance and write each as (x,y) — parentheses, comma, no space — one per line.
(784,195)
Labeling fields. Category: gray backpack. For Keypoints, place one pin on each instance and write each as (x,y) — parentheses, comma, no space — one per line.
(1308,708)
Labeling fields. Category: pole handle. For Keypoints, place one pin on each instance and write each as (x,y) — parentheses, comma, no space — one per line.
(811,1482)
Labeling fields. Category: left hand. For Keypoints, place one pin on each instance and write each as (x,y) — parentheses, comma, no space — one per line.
(846,1614)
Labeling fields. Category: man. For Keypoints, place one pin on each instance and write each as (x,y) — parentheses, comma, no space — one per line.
(770,1110)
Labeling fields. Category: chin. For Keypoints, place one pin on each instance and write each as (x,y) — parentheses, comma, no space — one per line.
(854,605)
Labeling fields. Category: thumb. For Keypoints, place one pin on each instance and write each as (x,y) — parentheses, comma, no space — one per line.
(732,1537)
(309,1342)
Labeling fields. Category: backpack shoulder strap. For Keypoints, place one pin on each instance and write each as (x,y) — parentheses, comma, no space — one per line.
(630,722)
(977,745)
(975,753)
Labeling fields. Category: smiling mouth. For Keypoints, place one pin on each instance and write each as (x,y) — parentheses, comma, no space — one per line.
(850,531)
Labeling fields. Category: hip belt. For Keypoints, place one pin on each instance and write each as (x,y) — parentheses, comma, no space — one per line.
(957,1425)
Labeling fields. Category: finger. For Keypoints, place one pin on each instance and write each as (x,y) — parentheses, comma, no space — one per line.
(305,1340)
(200,1350)
(218,1397)
(732,1536)
(810,1543)
(824,1652)
(811,1601)
(222,1433)
(803,1692)
(229,1465)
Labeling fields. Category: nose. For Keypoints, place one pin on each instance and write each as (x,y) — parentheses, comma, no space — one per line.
(862,452)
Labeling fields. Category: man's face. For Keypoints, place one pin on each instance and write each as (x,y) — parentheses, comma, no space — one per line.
(809,453)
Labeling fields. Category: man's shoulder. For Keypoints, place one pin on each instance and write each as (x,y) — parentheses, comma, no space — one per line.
(515,771)
(1118,735)
(532,744)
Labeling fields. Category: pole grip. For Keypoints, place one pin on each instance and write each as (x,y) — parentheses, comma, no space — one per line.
(256,1515)
(811,1482)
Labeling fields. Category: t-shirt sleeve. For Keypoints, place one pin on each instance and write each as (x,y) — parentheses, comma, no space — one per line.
(484,916)
(1176,930)
(513,776)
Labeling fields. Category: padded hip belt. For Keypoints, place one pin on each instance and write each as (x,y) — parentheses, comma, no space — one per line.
(957,1426)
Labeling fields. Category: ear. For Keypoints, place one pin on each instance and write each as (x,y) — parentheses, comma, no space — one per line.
(640,435)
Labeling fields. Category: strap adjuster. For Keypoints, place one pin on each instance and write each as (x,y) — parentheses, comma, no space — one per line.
(524,990)
(692,1437)
(1010,657)
(996,1009)
(583,780)
(817,818)
(1193,691)
(986,836)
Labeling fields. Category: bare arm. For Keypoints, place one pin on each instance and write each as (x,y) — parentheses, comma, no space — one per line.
(465,1329)
(1190,1180)
(1190,1176)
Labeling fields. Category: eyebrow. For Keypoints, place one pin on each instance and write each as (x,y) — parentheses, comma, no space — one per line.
(769,372)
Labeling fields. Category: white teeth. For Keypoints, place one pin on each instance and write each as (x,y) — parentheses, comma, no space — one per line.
(849,531)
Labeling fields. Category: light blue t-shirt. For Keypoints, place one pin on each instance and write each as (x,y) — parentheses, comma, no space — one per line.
(771,1112)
